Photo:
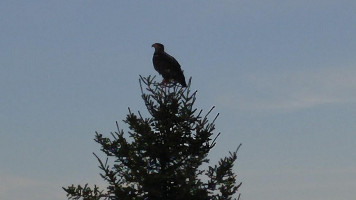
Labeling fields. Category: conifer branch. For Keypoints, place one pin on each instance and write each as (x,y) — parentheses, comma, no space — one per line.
(160,156)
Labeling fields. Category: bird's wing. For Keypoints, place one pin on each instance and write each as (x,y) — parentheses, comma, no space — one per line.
(174,63)
(175,70)
(164,62)
(168,67)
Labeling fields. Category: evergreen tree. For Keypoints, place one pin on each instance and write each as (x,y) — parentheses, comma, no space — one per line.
(162,157)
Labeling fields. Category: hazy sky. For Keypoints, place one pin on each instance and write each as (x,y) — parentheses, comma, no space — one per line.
(280,73)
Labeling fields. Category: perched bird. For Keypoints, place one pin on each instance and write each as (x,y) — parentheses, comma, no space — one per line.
(167,66)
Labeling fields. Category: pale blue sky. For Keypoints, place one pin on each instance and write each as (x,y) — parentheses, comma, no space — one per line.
(280,73)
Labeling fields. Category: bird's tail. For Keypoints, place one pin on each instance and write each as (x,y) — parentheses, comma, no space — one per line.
(182,82)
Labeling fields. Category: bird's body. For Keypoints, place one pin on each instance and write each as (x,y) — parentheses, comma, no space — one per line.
(167,66)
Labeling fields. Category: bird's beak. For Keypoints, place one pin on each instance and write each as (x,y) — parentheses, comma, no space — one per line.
(153,45)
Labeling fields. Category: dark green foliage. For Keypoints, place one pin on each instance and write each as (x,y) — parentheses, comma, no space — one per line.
(162,157)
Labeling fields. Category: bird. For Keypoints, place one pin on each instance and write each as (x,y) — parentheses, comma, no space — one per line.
(167,66)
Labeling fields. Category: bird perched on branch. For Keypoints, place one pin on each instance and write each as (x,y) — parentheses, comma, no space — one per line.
(167,66)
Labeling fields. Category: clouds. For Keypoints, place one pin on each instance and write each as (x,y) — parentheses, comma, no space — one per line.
(71,68)
(20,187)
(302,182)
(11,183)
(283,91)
(24,187)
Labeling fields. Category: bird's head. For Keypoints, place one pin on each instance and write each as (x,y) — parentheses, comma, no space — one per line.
(158,46)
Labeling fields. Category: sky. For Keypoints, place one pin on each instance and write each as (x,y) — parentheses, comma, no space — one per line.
(280,73)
